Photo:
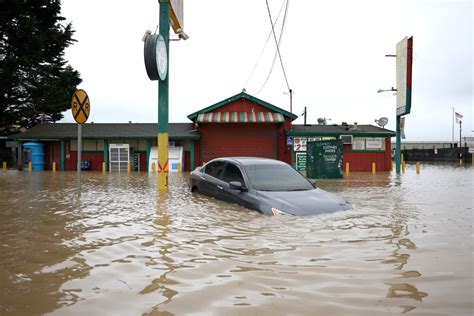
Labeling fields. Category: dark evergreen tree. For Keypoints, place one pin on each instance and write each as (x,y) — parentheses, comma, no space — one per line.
(36,82)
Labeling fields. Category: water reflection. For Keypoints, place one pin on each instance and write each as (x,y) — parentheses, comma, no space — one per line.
(125,249)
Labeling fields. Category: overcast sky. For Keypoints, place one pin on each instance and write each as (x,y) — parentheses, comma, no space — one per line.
(333,53)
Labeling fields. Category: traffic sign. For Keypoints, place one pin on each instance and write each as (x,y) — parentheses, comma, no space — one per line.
(80,106)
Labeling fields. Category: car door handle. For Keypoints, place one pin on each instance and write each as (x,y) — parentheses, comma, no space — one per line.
(203,178)
(220,187)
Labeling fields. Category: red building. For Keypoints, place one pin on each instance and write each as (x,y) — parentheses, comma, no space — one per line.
(241,125)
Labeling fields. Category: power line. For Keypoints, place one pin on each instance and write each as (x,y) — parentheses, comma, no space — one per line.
(264,46)
(276,42)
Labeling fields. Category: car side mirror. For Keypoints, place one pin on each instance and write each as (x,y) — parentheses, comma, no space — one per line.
(236,185)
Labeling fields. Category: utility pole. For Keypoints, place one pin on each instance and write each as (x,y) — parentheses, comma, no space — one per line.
(291,110)
(304,115)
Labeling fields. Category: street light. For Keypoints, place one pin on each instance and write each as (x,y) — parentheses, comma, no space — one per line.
(390,90)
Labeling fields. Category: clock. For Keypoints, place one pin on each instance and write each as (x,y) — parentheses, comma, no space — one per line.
(156,57)
(161,57)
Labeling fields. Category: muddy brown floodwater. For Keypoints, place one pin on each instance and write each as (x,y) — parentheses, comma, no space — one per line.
(407,247)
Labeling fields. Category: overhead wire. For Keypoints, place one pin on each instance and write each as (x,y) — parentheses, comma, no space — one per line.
(278,43)
(264,46)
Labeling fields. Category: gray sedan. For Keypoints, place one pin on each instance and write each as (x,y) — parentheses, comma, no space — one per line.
(269,186)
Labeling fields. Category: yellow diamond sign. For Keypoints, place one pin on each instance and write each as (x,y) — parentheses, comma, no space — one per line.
(80,106)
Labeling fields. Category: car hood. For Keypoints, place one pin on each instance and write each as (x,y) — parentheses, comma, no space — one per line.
(304,203)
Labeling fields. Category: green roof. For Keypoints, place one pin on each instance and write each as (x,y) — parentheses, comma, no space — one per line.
(239,96)
(106,131)
(336,130)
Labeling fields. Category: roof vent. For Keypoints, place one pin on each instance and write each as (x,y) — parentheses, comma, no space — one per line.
(353,127)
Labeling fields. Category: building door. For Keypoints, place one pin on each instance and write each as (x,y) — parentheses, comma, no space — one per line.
(119,157)
(238,139)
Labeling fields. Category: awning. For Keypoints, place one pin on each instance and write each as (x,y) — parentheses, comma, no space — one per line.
(241,117)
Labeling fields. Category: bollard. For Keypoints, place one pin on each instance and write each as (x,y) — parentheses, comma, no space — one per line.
(403,166)
(179,167)
(4,166)
(128,167)
(391,165)
(30,166)
(374,167)
(347,168)
(153,167)
(103,167)
(54,166)
(417,168)
(460,162)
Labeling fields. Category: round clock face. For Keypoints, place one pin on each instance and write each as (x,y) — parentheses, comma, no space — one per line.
(161,57)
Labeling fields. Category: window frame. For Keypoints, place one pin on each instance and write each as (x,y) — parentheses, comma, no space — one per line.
(243,182)
(212,162)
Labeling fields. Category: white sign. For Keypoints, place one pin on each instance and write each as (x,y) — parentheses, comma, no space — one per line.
(373,143)
(402,48)
(404,66)
(299,143)
(358,144)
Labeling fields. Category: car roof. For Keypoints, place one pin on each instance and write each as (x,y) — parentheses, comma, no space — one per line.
(250,161)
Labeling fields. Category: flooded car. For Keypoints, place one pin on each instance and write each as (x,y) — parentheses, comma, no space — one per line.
(269,186)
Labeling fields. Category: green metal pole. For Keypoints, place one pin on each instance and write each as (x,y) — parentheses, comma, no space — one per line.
(148,152)
(191,165)
(398,144)
(106,153)
(163,102)
(63,155)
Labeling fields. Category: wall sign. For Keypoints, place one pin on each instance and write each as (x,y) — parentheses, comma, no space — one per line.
(373,143)
(299,143)
(289,141)
(301,161)
(358,144)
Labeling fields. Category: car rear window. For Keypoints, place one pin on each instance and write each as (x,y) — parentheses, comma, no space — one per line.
(276,177)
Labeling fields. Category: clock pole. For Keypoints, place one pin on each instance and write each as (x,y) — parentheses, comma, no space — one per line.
(163,89)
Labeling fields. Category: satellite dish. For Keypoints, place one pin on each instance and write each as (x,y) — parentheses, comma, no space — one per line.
(382,122)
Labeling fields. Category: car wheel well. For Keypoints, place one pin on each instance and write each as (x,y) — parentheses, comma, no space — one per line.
(194,188)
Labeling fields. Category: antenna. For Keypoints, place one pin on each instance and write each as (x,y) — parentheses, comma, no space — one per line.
(382,122)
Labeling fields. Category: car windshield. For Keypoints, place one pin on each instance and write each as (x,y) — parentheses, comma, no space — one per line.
(276,177)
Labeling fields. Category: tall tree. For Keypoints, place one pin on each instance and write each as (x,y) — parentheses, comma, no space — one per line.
(36,82)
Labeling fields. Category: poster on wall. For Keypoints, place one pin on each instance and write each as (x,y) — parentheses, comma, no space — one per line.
(373,143)
(301,161)
(300,143)
(358,144)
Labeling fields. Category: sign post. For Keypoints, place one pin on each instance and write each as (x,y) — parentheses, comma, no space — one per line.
(80,108)
(404,89)
(163,90)
(156,53)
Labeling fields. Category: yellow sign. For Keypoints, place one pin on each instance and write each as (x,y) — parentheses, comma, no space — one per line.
(80,106)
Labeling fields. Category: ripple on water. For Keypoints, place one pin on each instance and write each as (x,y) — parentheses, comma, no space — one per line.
(124,248)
